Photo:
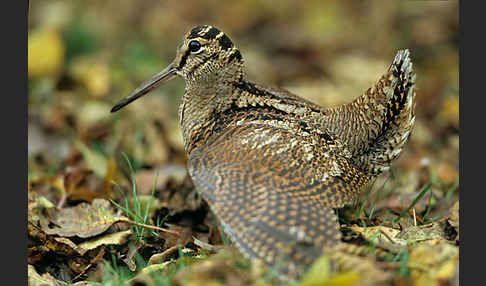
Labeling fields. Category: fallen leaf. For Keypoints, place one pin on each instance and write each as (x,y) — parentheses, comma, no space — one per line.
(93,73)
(60,245)
(45,52)
(110,176)
(81,184)
(454,214)
(83,220)
(422,233)
(159,258)
(206,246)
(318,274)
(36,206)
(130,256)
(366,267)
(45,279)
(381,236)
(432,263)
(117,238)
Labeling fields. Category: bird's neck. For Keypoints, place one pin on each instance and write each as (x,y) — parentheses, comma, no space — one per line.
(204,98)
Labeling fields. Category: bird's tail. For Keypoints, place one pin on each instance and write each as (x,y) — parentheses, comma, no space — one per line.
(379,122)
(399,116)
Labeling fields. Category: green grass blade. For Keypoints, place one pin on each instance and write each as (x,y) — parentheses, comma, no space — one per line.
(415,201)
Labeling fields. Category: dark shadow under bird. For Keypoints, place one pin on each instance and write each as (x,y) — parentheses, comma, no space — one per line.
(272,165)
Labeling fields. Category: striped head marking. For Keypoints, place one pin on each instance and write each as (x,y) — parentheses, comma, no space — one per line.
(204,50)
(205,54)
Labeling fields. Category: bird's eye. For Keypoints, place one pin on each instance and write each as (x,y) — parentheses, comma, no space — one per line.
(194,46)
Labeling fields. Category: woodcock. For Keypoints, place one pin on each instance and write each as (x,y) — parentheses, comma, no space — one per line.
(271,165)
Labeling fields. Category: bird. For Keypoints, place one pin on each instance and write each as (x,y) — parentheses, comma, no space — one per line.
(272,165)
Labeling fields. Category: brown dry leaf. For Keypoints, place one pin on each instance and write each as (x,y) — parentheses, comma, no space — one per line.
(36,253)
(130,256)
(206,246)
(66,243)
(51,188)
(74,183)
(79,183)
(83,220)
(65,246)
(159,258)
(45,243)
(46,279)
(111,175)
(185,236)
(431,232)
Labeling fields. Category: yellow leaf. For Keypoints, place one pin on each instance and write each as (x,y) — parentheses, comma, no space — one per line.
(45,53)
(344,279)
(318,274)
(94,74)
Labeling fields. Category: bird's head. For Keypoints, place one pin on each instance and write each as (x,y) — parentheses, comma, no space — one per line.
(205,55)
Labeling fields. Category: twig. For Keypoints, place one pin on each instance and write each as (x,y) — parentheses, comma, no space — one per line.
(414,217)
(95,260)
(387,236)
(435,222)
(150,226)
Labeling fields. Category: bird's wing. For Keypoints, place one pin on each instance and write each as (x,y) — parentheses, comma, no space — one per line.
(273,195)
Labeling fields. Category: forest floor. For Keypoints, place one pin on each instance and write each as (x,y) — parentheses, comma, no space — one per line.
(109,198)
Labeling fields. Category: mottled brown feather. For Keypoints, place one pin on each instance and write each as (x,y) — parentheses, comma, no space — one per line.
(273,165)
(273,203)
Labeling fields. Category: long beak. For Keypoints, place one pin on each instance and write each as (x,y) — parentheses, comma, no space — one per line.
(164,76)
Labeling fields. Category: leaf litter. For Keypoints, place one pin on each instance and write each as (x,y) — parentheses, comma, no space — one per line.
(83,229)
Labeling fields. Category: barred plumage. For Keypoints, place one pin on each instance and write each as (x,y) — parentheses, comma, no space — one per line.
(272,165)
